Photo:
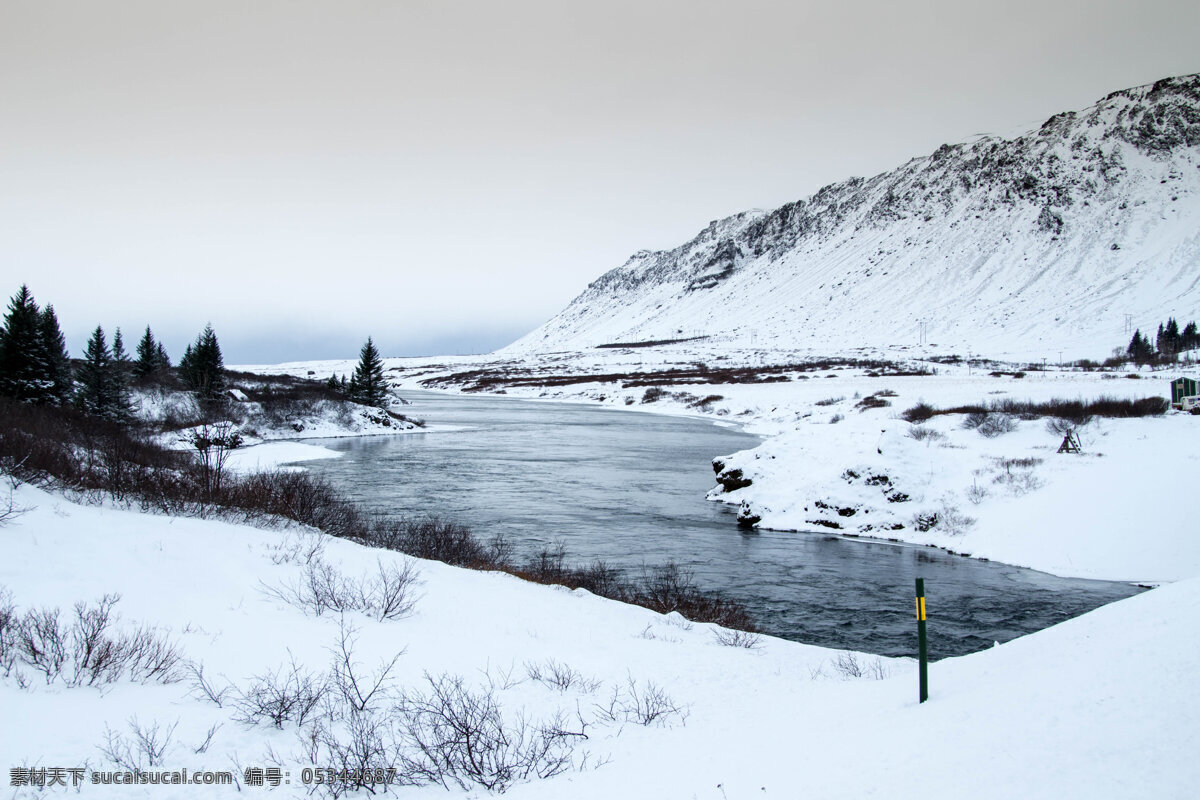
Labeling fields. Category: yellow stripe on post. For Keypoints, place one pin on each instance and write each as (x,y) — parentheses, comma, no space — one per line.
(920,608)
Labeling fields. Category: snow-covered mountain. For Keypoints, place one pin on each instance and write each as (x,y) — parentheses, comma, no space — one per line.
(1049,242)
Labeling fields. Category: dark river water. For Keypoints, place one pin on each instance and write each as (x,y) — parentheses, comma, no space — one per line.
(629,488)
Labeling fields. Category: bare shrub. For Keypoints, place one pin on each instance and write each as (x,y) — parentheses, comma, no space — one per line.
(9,510)
(645,705)
(734,638)
(875,400)
(358,689)
(432,538)
(84,651)
(43,642)
(922,434)
(353,748)
(205,689)
(952,521)
(389,594)
(560,676)
(849,666)
(830,401)
(320,588)
(974,419)
(996,424)
(976,493)
(145,747)
(453,735)
(919,413)
(9,626)
(298,547)
(287,694)
(835,419)
(207,741)
(1065,427)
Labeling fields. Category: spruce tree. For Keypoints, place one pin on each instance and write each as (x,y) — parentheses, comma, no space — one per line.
(121,360)
(54,348)
(25,371)
(96,389)
(147,355)
(164,361)
(367,385)
(1190,338)
(1140,349)
(202,367)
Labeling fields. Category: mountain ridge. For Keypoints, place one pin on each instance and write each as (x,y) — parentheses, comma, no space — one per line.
(1044,241)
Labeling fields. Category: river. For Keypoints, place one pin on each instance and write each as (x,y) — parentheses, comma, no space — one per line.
(628,488)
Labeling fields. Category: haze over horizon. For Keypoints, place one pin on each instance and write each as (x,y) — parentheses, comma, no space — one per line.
(446,176)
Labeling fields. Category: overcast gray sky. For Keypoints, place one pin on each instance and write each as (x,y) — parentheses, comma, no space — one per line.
(446,175)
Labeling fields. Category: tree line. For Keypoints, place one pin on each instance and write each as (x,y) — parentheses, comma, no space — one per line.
(36,368)
(1170,342)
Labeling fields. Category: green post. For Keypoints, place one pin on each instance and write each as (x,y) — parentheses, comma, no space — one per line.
(921,643)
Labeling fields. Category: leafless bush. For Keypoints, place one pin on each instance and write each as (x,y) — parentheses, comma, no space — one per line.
(205,689)
(9,510)
(9,624)
(835,419)
(1066,427)
(830,401)
(976,493)
(320,588)
(922,434)
(353,748)
(83,652)
(560,676)
(735,638)
(452,735)
(952,521)
(875,400)
(996,424)
(668,587)
(207,741)
(299,547)
(287,694)
(389,594)
(145,748)
(644,705)
(43,642)
(356,688)
(848,665)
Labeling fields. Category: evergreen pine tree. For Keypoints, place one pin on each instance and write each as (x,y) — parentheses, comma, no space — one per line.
(164,361)
(1190,338)
(202,367)
(96,387)
(54,347)
(25,371)
(367,385)
(1140,349)
(1171,338)
(147,355)
(120,356)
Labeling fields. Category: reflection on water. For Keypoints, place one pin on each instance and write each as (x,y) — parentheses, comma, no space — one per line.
(629,488)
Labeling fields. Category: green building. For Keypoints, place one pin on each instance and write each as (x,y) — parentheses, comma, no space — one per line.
(1181,388)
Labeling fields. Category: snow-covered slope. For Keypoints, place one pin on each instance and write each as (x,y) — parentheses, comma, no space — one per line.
(1022,246)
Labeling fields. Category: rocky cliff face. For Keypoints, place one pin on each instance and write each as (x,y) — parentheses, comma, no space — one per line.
(1035,244)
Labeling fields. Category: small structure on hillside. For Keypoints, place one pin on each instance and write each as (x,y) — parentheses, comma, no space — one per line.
(1181,388)
(1070,444)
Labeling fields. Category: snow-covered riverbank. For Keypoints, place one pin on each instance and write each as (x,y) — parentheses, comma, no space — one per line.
(1099,706)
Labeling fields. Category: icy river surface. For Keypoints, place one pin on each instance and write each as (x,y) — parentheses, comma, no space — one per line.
(628,488)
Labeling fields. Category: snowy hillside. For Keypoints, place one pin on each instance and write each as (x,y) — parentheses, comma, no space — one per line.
(1014,247)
